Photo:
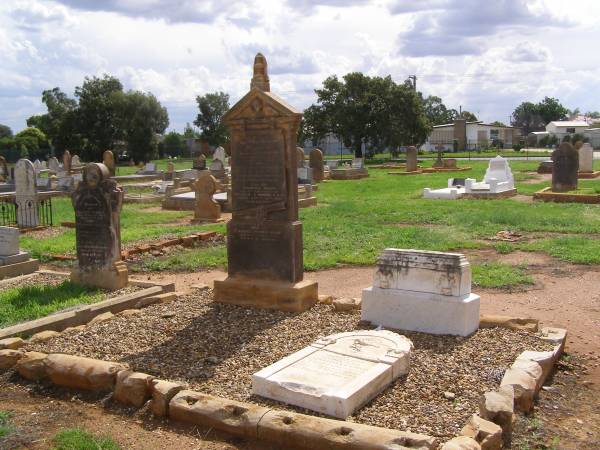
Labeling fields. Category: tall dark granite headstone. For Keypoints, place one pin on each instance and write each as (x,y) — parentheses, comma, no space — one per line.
(316,164)
(564,168)
(264,236)
(97,203)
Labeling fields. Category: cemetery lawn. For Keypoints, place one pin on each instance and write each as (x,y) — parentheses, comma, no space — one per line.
(77,439)
(138,222)
(20,304)
(355,220)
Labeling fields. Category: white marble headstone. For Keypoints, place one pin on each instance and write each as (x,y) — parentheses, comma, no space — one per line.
(53,165)
(220,155)
(26,194)
(422,291)
(586,158)
(499,170)
(75,161)
(337,374)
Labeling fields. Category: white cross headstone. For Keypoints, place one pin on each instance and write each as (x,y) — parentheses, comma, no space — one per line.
(26,194)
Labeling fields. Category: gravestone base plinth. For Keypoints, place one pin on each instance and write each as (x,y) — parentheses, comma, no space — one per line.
(205,221)
(111,279)
(19,268)
(269,294)
(588,175)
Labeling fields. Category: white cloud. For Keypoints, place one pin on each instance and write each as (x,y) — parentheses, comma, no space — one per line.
(486,58)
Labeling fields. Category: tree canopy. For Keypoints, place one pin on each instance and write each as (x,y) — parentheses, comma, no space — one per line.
(5,131)
(213,107)
(101,116)
(535,116)
(359,109)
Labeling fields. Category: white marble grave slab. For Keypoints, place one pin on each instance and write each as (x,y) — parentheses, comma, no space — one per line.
(337,374)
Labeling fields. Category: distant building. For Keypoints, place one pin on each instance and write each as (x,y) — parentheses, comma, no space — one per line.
(471,136)
(562,128)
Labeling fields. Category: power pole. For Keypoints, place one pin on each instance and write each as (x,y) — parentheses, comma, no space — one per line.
(414,81)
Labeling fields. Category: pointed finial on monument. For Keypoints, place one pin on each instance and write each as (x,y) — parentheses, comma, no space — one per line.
(260,78)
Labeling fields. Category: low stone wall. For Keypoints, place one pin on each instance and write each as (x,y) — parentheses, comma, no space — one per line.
(282,428)
(547,195)
(153,292)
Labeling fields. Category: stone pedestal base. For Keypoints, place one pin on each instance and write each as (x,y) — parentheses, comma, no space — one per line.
(421,311)
(20,268)
(348,174)
(271,294)
(110,279)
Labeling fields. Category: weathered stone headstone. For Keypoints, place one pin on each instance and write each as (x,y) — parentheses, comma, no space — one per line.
(337,374)
(53,165)
(300,159)
(422,291)
(206,209)
(108,159)
(199,162)
(37,166)
(411,159)
(358,163)
(586,158)
(75,161)
(4,173)
(578,145)
(439,162)
(316,164)
(264,236)
(67,162)
(97,203)
(26,198)
(564,168)
(9,247)
(450,163)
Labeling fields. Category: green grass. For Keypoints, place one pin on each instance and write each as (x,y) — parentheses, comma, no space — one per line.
(575,249)
(355,220)
(138,222)
(6,426)
(498,275)
(76,439)
(32,302)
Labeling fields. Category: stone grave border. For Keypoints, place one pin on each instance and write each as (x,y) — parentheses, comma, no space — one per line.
(152,292)
(519,387)
(487,430)
(186,241)
(348,174)
(588,175)
(520,384)
(547,195)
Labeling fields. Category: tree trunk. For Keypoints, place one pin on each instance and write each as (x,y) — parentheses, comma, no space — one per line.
(358,149)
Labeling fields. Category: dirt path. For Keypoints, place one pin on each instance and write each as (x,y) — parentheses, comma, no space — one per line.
(39,414)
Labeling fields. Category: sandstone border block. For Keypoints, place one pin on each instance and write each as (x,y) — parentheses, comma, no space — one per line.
(82,373)
(236,418)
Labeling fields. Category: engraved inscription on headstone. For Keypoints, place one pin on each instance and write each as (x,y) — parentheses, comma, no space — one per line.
(337,374)
(565,167)
(264,236)
(97,203)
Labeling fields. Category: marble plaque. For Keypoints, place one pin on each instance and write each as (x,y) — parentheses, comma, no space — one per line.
(337,374)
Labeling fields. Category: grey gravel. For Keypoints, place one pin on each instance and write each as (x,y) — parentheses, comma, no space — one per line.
(216,348)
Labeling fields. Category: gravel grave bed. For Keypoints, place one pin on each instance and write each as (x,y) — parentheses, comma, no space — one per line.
(215,348)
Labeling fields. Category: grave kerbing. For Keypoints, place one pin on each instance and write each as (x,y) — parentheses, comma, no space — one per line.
(264,236)
(97,203)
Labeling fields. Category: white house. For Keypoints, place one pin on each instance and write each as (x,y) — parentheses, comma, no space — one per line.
(562,128)
(471,135)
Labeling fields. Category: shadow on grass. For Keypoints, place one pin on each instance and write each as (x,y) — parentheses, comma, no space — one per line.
(32,302)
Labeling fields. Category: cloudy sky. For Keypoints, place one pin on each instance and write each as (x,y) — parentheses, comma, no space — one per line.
(487,56)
